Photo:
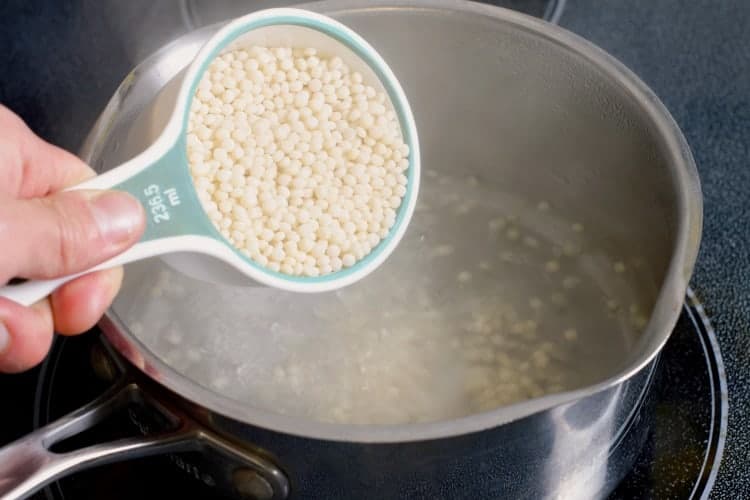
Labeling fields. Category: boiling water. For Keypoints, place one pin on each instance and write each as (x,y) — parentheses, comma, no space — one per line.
(489,300)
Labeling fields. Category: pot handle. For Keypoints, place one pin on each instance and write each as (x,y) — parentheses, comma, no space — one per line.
(30,463)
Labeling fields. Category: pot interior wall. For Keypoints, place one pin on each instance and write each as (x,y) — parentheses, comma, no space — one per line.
(530,118)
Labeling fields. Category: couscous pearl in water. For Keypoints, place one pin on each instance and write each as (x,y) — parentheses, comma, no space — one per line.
(297,162)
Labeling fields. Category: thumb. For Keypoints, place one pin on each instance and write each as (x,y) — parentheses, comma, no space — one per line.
(67,232)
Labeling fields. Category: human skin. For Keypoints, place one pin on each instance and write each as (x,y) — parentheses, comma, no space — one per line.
(46,232)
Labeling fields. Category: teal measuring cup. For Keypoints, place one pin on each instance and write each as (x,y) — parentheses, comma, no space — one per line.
(160,177)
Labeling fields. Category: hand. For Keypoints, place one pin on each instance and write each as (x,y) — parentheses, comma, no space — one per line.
(46,233)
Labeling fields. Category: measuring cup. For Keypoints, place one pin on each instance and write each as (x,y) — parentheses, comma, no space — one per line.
(160,176)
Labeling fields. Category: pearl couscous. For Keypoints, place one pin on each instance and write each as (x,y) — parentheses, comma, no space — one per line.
(298,162)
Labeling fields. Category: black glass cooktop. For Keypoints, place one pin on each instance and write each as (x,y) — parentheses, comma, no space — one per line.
(687,51)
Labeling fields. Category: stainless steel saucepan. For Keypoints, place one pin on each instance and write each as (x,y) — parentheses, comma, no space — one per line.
(514,331)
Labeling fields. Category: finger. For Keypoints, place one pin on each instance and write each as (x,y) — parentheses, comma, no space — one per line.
(30,166)
(67,232)
(78,305)
(25,335)
(26,332)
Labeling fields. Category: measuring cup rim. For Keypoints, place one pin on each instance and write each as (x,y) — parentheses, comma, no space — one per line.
(177,126)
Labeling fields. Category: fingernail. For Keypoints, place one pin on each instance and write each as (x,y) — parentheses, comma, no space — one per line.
(4,337)
(118,216)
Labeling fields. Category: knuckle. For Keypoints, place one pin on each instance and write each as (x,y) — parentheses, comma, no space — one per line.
(71,236)
(31,331)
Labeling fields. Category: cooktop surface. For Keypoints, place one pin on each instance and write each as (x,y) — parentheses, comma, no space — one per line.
(696,57)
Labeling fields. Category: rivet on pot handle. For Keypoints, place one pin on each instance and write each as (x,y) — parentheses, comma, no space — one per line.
(28,464)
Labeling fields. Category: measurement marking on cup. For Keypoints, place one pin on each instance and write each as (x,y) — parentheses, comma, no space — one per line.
(172,197)
(159,203)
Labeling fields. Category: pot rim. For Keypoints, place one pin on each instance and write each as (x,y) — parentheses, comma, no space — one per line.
(666,309)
